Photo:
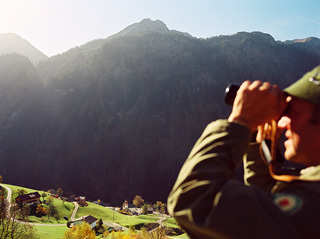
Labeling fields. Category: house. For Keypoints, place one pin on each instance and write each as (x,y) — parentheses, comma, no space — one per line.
(150,210)
(134,210)
(30,199)
(80,198)
(81,201)
(115,229)
(92,221)
(69,196)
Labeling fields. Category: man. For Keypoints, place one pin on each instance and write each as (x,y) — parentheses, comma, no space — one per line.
(208,202)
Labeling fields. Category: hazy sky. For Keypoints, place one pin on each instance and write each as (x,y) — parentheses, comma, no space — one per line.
(54,26)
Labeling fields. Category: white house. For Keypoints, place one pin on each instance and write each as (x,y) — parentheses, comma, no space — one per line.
(92,221)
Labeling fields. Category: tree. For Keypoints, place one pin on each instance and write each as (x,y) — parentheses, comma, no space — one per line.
(49,201)
(132,228)
(41,211)
(159,233)
(156,207)
(25,212)
(161,207)
(145,209)
(43,195)
(21,191)
(9,227)
(100,222)
(63,201)
(80,231)
(99,229)
(59,192)
(138,201)
(51,191)
(51,210)
(56,216)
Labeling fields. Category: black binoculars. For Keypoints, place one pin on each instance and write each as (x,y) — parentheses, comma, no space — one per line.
(230,93)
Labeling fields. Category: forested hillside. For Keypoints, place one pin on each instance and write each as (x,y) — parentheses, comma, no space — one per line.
(117,117)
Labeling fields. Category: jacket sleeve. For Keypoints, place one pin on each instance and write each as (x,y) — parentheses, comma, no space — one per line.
(208,203)
(256,172)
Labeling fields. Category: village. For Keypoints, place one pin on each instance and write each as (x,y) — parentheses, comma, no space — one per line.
(33,204)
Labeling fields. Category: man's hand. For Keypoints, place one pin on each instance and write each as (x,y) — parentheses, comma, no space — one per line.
(257,103)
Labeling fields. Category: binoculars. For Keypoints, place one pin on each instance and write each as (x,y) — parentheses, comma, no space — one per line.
(230,93)
(281,166)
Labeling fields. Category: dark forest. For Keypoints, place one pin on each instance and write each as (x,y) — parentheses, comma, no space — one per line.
(117,117)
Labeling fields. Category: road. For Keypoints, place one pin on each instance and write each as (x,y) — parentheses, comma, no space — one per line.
(73,215)
(115,225)
(76,207)
(8,199)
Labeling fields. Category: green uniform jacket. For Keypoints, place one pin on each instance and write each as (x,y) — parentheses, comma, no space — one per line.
(208,202)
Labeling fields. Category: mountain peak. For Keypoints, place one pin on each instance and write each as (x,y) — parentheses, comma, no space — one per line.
(145,26)
(13,43)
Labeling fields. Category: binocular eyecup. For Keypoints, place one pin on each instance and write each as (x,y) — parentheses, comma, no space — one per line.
(230,93)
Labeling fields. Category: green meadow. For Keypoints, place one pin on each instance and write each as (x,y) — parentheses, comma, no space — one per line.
(51,232)
(53,228)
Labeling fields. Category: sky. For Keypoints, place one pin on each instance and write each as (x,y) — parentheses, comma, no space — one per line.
(55,26)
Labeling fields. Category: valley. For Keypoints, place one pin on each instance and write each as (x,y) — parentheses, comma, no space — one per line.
(117,117)
(53,227)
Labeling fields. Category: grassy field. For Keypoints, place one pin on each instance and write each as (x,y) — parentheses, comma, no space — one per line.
(54,232)
(111,216)
(170,222)
(65,209)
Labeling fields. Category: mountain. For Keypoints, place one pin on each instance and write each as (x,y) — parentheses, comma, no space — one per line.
(117,117)
(143,27)
(311,43)
(84,52)
(22,110)
(12,43)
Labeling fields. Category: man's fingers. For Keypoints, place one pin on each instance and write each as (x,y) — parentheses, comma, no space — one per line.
(245,85)
(256,84)
(265,86)
(260,133)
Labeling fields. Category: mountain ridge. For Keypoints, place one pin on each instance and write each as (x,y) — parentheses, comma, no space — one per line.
(145,26)
(13,43)
(126,114)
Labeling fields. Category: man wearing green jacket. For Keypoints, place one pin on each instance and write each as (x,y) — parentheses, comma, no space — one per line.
(208,202)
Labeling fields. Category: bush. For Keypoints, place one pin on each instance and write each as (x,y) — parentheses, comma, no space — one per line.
(125,212)
(80,231)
